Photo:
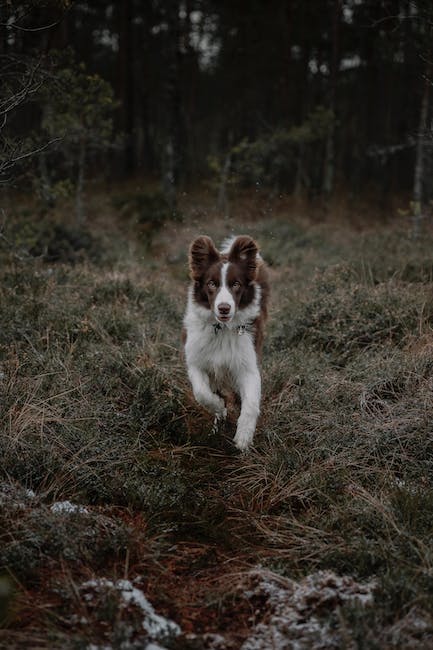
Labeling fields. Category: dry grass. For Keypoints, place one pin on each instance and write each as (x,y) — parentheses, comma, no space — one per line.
(96,409)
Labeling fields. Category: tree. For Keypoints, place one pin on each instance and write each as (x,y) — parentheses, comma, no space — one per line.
(127,81)
(21,80)
(172,141)
(195,76)
(78,111)
(22,75)
(329,170)
(419,168)
(271,159)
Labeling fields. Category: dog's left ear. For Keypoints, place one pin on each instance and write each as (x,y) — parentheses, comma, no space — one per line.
(244,251)
(202,254)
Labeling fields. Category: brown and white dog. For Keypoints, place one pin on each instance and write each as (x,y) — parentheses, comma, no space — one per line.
(224,327)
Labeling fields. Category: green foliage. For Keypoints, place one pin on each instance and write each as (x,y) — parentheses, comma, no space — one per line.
(43,536)
(147,211)
(87,335)
(344,316)
(59,243)
(49,240)
(76,125)
(271,160)
(77,106)
(96,408)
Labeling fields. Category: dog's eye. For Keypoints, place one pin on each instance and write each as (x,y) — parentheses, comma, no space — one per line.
(211,284)
(236,285)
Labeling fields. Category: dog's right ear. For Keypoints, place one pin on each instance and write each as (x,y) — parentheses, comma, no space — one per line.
(202,254)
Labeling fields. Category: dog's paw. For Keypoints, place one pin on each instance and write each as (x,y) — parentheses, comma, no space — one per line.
(243,439)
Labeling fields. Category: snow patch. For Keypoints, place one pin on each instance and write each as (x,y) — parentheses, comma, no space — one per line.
(302,615)
(410,488)
(67,507)
(209,641)
(157,627)
(14,496)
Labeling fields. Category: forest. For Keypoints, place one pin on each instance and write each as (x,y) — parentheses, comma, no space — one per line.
(306,98)
(127,129)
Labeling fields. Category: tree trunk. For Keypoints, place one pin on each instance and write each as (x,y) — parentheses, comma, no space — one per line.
(126,83)
(419,171)
(300,177)
(222,201)
(169,180)
(144,125)
(418,179)
(329,168)
(301,106)
(45,183)
(171,161)
(79,208)
(45,188)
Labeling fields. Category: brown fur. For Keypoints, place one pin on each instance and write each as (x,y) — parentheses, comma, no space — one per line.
(205,263)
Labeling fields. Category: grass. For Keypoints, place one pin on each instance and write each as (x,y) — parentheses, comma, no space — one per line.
(96,409)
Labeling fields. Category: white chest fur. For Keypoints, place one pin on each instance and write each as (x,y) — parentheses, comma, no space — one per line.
(224,358)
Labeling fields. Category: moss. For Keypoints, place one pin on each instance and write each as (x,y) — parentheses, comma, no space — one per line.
(38,538)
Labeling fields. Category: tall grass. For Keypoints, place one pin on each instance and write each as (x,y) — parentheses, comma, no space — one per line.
(96,409)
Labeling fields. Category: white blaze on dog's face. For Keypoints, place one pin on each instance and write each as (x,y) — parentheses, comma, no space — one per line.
(222,296)
(224,282)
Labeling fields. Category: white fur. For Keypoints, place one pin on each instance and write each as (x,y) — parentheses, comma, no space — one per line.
(224,295)
(224,359)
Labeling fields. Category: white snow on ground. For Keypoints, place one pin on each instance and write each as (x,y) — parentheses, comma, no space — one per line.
(410,488)
(157,627)
(149,646)
(299,613)
(208,640)
(14,496)
(67,507)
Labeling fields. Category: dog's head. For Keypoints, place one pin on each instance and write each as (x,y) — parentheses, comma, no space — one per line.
(224,281)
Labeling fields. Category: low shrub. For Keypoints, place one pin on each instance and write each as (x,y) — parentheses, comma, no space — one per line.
(49,240)
(342,316)
(147,212)
(35,536)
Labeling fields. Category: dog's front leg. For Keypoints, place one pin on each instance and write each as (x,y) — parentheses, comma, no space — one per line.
(250,391)
(204,394)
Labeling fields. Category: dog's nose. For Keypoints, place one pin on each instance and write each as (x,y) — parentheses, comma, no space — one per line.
(224,308)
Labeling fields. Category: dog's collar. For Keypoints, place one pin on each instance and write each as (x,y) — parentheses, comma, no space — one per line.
(241,329)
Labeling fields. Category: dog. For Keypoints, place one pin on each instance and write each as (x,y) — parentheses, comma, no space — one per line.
(224,328)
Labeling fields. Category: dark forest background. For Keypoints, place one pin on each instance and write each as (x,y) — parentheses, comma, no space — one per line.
(309,98)
(127,129)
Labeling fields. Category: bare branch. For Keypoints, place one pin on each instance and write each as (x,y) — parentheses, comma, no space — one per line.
(12,160)
(30,29)
(30,87)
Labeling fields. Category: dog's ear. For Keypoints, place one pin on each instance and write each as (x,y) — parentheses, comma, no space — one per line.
(244,251)
(202,254)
